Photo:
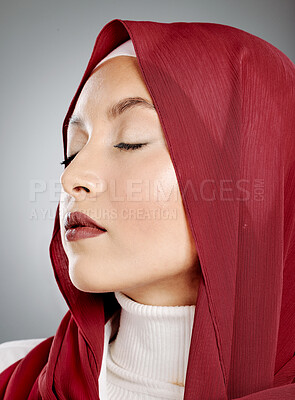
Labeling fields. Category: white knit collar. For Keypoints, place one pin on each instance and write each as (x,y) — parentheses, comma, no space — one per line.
(152,342)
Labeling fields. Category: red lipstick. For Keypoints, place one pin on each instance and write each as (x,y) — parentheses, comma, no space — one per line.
(80,226)
(82,233)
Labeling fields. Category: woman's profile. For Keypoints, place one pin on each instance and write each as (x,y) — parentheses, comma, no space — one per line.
(174,237)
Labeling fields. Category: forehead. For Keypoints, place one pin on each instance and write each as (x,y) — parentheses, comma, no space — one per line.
(115,72)
(117,78)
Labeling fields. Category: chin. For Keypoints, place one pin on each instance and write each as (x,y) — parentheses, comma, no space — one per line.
(79,279)
(86,283)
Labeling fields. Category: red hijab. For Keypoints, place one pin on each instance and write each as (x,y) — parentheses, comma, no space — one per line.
(226,102)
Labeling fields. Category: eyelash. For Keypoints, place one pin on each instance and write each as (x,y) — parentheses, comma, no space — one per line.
(121,146)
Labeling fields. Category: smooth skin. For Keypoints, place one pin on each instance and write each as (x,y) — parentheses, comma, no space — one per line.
(148,251)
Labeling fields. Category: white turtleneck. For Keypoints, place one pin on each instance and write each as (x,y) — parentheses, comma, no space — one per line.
(148,357)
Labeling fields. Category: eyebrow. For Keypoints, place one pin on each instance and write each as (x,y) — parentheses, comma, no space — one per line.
(116,109)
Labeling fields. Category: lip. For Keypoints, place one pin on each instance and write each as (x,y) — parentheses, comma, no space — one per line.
(82,232)
(77,219)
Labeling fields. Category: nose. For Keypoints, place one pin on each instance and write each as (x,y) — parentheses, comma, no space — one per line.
(82,183)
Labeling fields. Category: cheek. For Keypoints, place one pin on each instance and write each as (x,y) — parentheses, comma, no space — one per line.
(151,219)
(147,193)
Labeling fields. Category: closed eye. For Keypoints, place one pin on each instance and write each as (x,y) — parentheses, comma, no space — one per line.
(121,146)
(128,146)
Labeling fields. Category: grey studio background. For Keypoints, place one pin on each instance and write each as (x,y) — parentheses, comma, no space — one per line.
(45,47)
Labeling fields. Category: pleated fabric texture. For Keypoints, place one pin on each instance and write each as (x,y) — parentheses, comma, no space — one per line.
(226,102)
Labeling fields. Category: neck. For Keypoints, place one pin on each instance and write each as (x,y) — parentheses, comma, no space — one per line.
(153,341)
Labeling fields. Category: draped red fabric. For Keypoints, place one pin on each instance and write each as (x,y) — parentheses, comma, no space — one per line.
(226,102)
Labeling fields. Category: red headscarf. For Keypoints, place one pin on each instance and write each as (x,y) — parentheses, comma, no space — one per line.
(226,103)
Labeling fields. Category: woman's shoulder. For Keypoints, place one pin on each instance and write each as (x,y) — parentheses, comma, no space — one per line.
(14,350)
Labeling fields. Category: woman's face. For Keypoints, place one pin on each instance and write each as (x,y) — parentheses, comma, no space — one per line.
(148,252)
